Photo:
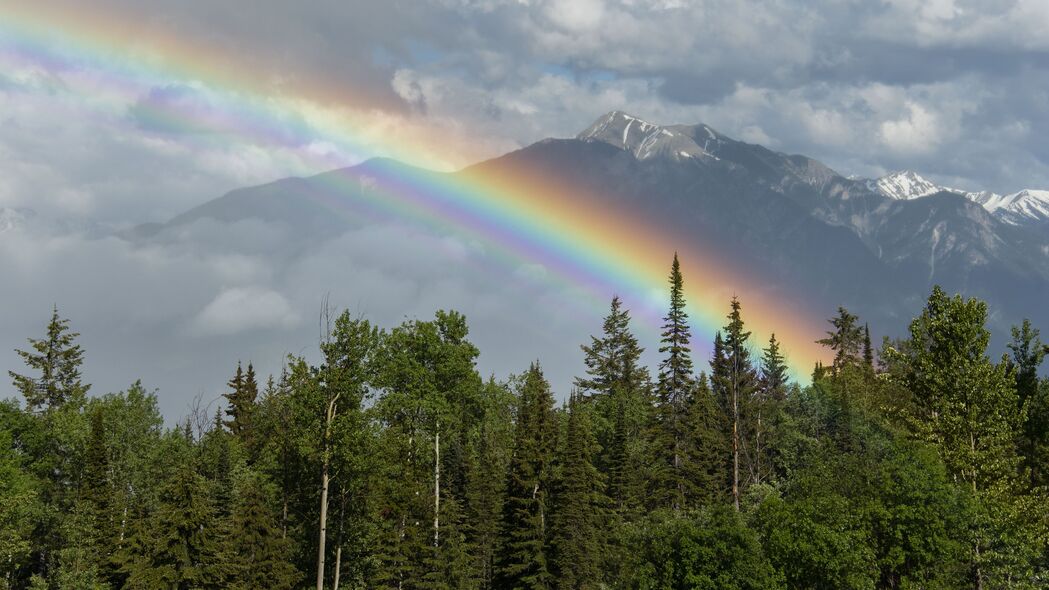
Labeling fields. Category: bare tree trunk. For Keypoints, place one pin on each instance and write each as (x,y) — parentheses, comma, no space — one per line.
(338,566)
(735,430)
(437,485)
(321,544)
(338,540)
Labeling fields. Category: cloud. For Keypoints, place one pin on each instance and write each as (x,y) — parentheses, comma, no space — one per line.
(954,89)
(241,309)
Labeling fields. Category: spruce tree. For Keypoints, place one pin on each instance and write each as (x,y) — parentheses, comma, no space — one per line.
(673,390)
(254,552)
(579,510)
(846,340)
(56,360)
(735,383)
(523,559)
(868,350)
(242,400)
(774,376)
(707,448)
(619,388)
(177,545)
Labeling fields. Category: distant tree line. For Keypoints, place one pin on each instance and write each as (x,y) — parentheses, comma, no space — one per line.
(393,464)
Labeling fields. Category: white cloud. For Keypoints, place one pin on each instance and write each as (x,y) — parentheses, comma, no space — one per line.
(241,309)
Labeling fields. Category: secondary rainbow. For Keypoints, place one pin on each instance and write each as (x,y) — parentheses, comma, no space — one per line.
(578,237)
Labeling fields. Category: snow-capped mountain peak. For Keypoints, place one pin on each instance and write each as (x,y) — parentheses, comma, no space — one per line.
(1028,206)
(903,186)
(643,139)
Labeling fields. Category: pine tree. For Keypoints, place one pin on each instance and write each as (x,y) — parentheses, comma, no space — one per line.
(619,388)
(242,400)
(735,384)
(177,546)
(868,350)
(846,340)
(523,561)
(674,388)
(255,553)
(56,360)
(706,449)
(579,507)
(774,376)
(488,455)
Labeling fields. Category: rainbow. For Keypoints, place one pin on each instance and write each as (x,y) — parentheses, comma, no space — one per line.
(578,237)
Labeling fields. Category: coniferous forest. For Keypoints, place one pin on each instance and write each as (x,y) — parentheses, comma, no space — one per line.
(922,462)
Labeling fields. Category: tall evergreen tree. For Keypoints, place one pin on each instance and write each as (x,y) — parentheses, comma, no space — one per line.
(673,390)
(242,400)
(706,448)
(56,359)
(254,553)
(618,385)
(523,559)
(735,385)
(579,507)
(774,375)
(868,350)
(846,340)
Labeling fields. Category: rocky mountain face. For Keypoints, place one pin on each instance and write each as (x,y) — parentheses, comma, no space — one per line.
(875,246)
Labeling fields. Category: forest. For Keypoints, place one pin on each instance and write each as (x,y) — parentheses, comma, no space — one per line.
(393,463)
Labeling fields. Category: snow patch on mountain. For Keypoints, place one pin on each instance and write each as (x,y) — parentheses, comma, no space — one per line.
(1020,208)
(903,186)
(646,140)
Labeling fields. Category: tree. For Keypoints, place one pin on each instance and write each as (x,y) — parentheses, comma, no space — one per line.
(1028,352)
(868,350)
(706,448)
(523,559)
(579,507)
(57,361)
(774,375)
(619,389)
(710,549)
(735,384)
(255,553)
(673,390)
(968,407)
(177,545)
(20,506)
(846,340)
(341,385)
(242,399)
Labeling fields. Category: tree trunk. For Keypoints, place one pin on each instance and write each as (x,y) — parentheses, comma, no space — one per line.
(321,544)
(437,485)
(735,430)
(338,567)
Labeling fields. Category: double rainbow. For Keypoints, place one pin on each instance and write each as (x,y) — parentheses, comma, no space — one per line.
(582,239)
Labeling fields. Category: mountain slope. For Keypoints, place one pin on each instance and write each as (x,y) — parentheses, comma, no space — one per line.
(806,231)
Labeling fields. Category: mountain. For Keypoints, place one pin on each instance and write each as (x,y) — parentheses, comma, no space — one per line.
(1028,207)
(814,237)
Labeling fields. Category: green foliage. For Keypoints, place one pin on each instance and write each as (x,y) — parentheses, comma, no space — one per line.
(579,508)
(925,471)
(523,558)
(709,549)
(56,361)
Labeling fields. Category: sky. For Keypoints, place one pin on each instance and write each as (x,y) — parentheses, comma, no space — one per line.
(954,89)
